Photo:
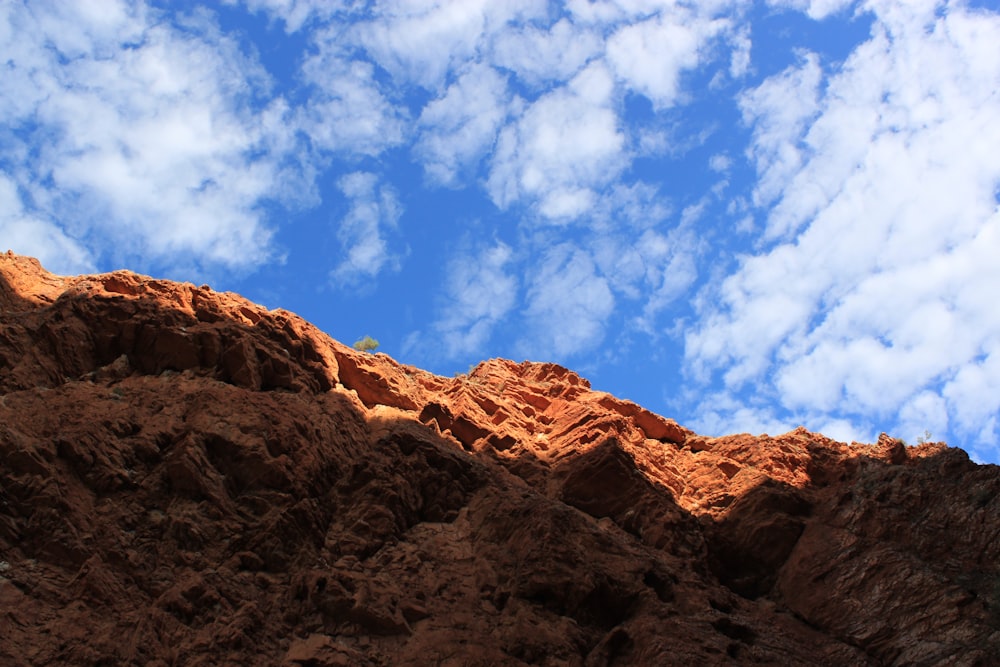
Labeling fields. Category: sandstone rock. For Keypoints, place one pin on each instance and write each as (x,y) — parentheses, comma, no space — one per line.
(188,478)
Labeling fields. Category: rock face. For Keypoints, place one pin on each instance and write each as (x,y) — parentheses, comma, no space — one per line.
(187,478)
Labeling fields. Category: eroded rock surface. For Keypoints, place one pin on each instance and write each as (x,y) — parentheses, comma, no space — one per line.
(187,478)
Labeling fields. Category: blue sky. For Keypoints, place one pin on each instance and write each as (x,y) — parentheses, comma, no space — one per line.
(746,216)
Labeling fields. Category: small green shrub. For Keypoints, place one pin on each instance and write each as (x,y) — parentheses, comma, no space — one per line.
(366,344)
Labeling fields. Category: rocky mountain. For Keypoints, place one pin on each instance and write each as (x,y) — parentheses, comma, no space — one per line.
(187,478)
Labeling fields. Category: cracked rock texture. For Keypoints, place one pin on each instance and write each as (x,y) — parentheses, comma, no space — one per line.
(187,478)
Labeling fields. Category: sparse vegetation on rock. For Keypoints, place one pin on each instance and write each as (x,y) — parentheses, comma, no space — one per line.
(366,344)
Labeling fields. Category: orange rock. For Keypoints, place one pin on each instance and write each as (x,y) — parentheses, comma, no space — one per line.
(189,478)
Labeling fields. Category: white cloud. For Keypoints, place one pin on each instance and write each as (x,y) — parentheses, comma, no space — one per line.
(671,271)
(566,144)
(85,28)
(815,9)
(568,304)
(650,55)
(654,268)
(480,291)
(41,239)
(630,209)
(970,396)
(422,41)
(643,257)
(144,136)
(373,211)
(720,162)
(844,430)
(719,414)
(925,413)
(739,62)
(539,55)
(779,110)
(296,13)
(460,127)
(611,12)
(347,112)
(567,203)
(881,307)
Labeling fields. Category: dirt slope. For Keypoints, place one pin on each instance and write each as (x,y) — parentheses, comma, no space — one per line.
(187,478)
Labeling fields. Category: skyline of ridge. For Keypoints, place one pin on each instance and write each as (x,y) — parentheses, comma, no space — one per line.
(744,216)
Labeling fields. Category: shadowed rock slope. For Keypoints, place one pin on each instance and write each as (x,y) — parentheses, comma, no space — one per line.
(187,478)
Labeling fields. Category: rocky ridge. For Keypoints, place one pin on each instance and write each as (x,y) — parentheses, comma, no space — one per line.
(187,478)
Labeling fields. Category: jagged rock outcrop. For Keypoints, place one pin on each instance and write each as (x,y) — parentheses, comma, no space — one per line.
(187,478)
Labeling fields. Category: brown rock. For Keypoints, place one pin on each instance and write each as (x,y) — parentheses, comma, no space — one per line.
(188,478)
(318,650)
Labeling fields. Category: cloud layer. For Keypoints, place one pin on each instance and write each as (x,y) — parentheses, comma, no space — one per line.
(151,138)
(870,296)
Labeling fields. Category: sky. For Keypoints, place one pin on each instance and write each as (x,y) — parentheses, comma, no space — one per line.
(747,216)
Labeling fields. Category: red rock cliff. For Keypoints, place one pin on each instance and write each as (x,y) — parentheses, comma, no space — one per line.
(187,478)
